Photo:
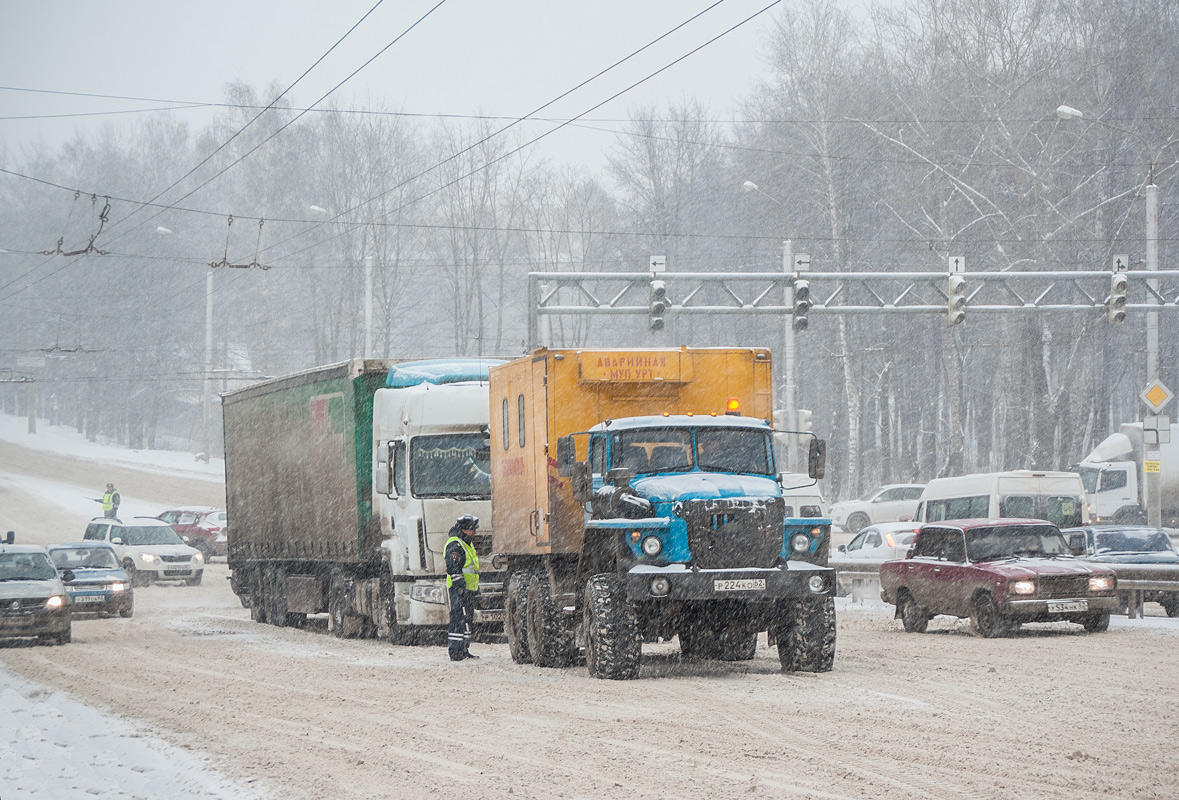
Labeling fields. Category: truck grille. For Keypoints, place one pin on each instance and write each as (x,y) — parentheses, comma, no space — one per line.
(1053,586)
(731,534)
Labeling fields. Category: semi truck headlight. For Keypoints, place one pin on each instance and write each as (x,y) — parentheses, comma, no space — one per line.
(652,546)
(428,593)
(660,586)
(815,584)
(800,543)
(1023,587)
(1101,583)
(57,601)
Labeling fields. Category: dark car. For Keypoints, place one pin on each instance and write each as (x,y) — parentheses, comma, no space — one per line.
(1140,555)
(1000,573)
(33,601)
(202,527)
(98,583)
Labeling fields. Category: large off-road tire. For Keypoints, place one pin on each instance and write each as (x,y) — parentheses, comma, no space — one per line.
(913,617)
(342,623)
(987,620)
(1097,622)
(549,641)
(737,644)
(516,617)
(138,577)
(857,522)
(257,595)
(613,647)
(806,638)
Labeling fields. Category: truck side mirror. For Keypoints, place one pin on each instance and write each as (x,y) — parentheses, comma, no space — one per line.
(1076,544)
(382,478)
(566,455)
(816,458)
(581,480)
(10,537)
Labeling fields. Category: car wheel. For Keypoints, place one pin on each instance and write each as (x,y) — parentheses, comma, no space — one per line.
(137,577)
(987,620)
(129,609)
(857,522)
(913,617)
(1170,604)
(1096,622)
(195,580)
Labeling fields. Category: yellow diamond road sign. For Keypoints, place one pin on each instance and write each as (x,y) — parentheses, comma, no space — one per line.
(1156,396)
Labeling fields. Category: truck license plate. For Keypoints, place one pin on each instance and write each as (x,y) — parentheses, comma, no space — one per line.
(740,585)
(1065,606)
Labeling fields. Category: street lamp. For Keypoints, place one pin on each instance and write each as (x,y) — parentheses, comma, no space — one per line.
(788,332)
(207,377)
(1151,193)
(368,290)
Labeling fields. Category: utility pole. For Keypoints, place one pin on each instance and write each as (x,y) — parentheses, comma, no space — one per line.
(368,306)
(788,343)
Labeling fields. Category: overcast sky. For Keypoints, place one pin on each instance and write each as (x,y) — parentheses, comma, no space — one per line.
(499,57)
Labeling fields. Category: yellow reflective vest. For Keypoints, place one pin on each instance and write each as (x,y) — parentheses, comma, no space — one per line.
(470,566)
(108,501)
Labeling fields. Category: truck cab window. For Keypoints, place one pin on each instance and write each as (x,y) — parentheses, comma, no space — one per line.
(1113,479)
(507,425)
(597,455)
(520,416)
(734,450)
(454,465)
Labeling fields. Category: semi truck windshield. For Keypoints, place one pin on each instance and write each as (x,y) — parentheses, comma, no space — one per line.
(451,465)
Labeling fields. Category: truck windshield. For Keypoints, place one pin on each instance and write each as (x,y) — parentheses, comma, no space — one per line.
(1089,478)
(734,450)
(456,465)
(647,450)
(1007,541)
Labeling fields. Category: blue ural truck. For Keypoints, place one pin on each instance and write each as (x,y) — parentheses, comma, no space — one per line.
(635,498)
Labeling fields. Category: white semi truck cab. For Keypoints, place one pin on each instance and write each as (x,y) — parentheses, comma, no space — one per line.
(432,464)
(1114,479)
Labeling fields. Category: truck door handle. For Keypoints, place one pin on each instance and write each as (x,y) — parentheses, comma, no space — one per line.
(534,523)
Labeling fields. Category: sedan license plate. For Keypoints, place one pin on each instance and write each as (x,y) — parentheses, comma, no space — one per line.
(739,585)
(1065,606)
(89,598)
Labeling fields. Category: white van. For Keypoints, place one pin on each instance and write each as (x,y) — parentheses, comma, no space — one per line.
(1058,497)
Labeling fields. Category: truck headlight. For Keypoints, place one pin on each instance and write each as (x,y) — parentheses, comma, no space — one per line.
(660,587)
(57,601)
(652,546)
(428,593)
(1023,587)
(1101,583)
(800,543)
(815,584)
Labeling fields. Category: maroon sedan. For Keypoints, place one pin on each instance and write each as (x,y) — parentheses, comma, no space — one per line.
(998,572)
(201,526)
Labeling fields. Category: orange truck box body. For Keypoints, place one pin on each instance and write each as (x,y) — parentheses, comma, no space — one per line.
(552,393)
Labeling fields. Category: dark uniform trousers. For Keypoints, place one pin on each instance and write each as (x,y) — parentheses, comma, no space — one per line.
(462,615)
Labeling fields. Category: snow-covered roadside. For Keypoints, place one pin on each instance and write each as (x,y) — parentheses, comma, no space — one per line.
(52,746)
(61,439)
(77,499)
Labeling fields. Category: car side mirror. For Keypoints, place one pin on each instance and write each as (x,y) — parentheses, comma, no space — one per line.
(842,548)
(906,518)
(116,540)
(67,576)
(185,538)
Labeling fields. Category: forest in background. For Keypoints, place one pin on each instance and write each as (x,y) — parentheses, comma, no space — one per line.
(886,141)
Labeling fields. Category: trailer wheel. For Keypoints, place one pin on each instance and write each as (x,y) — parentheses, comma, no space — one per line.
(275,593)
(613,647)
(549,642)
(516,617)
(342,623)
(257,595)
(806,639)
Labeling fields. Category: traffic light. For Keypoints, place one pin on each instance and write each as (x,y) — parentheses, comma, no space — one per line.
(804,419)
(1119,287)
(955,299)
(657,305)
(802,303)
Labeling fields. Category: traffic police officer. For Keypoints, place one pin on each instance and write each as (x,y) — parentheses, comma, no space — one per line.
(462,580)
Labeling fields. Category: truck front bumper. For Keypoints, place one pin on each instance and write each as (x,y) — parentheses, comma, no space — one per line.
(794,580)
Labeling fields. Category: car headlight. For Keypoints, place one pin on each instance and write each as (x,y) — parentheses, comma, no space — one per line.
(652,546)
(1023,587)
(197,558)
(57,601)
(800,543)
(147,558)
(117,587)
(1101,583)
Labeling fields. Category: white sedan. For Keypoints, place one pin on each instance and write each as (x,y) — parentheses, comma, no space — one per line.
(886,504)
(883,542)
